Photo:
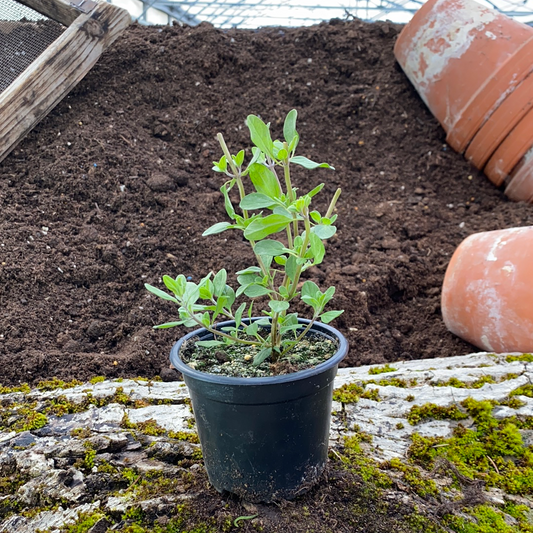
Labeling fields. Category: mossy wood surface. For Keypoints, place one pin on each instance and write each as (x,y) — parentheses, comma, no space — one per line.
(59,68)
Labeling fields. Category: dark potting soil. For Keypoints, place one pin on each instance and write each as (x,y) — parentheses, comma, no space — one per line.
(114,189)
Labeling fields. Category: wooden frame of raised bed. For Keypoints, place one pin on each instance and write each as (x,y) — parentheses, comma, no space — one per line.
(90,28)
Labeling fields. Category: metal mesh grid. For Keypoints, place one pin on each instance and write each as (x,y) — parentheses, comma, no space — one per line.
(256,13)
(24,35)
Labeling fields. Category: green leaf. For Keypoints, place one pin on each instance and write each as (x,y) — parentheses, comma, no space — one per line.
(264,180)
(252,329)
(254,290)
(291,267)
(310,288)
(206,319)
(289,126)
(283,291)
(280,210)
(260,134)
(324,232)
(315,215)
(160,293)
(263,227)
(316,190)
(219,227)
(227,202)
(278,306)
(328,316)
(282,154)
(307,163)
(239,158)
(209,344)
(280,259)
(230,295)
(220,166)
(191,294)
(238,314)
(269,247)
(169,325)
(219,282)
(249,270)
(261,356)
(256,200)
(317,248)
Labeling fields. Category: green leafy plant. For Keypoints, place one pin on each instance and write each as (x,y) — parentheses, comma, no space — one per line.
(273,207)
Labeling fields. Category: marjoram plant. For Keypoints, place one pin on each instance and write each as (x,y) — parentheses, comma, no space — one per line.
(274,207)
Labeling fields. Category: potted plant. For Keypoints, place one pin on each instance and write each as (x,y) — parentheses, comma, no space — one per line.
(261,387)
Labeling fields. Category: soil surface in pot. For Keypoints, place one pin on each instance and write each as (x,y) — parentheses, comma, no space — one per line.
(114,189)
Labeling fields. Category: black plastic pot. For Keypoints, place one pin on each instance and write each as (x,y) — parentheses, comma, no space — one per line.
(264,439)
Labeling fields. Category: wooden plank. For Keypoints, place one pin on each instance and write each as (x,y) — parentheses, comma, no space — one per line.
(59,10)
(56,71)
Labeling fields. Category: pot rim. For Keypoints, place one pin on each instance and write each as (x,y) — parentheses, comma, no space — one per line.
(334,360)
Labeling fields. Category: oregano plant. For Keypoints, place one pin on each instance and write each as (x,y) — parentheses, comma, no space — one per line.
(273,207)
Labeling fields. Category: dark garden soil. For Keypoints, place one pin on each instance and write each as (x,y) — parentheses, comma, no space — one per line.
(114,188)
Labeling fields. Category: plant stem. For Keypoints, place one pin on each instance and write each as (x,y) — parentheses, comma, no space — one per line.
(300,337)
(332,203)
(217,332)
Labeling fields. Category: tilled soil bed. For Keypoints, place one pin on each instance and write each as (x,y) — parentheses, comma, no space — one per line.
(115,188)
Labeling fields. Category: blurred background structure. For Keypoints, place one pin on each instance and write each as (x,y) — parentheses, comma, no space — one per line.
(257,13)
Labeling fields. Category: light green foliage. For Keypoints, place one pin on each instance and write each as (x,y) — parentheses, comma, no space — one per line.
(418,413)
(525,358)
(351,392)
(274,206)
(381,369)
(492,450)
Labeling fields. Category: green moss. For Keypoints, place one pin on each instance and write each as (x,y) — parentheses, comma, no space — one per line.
(381,369)
(485,519)
(184,435)
(22,417)
(55,383)
(393,382)
(348,393)
(513,403)
(477,384)
(90,454)
(150,427)
(354,458)
(97,379)
(412,475)
(410,398)
(81,433)
(351,392)
(84,522)
(399,425)
(24,387)
(418,413)
(493,451)
(525,358)
(524,390)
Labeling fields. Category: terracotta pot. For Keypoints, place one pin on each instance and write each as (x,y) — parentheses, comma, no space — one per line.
(487,293)
(511,150)
(520,187)
(502,121)
(460,56)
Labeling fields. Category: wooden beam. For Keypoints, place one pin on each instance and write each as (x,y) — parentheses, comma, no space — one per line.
(59,10)
(56,71)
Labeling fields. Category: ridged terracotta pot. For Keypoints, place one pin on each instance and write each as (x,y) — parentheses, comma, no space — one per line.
(496,128)
(511,150)
(520,187)
(487,295)
(464,59)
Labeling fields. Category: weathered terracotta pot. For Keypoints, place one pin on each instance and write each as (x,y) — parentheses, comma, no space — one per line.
(520,187)
(464,59)
(511,150)
(487,295)
(496,128)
